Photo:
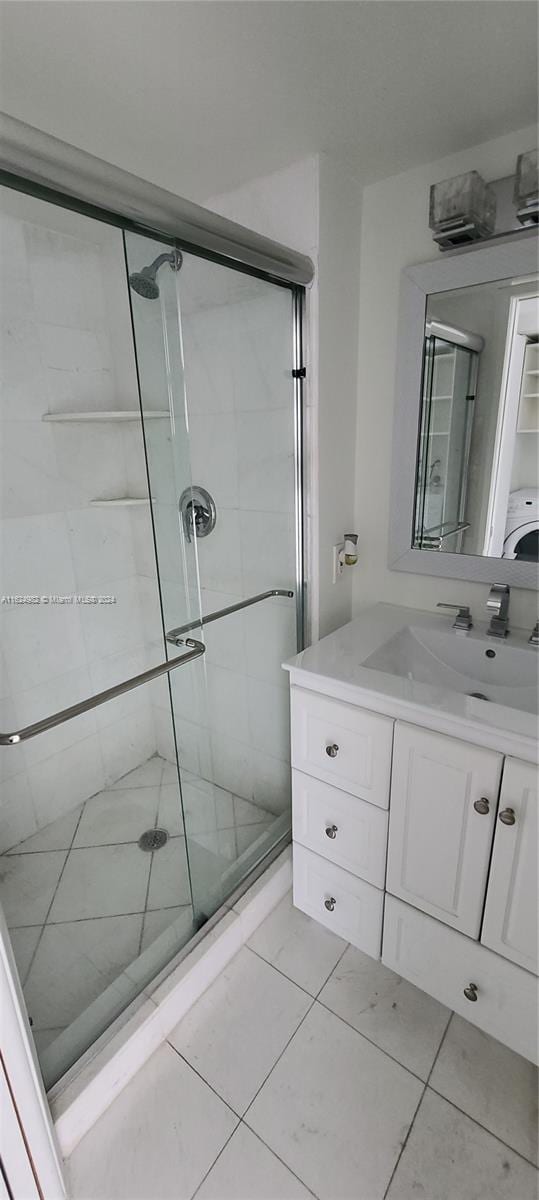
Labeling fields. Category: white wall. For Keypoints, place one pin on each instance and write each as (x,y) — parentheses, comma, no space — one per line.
(395,234)
(315,206)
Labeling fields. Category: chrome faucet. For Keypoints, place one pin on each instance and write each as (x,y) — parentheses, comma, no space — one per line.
(498,607)
(463,619)
(534,635)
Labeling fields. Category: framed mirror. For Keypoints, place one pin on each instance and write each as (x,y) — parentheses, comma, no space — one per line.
(465,472)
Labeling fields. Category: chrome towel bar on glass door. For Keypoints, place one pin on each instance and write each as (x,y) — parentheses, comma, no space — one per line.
(195,649)
(174,634)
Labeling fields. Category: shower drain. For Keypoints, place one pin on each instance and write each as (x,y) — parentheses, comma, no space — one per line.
(153,839)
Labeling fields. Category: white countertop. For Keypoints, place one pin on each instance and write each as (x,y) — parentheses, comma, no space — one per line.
(335,667)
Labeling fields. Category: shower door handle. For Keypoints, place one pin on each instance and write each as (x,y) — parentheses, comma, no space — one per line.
(195,649)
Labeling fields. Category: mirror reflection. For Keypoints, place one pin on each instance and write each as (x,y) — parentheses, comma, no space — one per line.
(477,485)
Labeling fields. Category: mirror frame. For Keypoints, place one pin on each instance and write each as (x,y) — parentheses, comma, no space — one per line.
(512,257)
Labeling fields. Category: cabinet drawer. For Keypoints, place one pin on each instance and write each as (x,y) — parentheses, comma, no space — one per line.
(356,908)
(443,963)
(340,827)
(343,745)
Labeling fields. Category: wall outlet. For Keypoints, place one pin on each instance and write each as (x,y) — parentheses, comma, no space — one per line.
(338,561)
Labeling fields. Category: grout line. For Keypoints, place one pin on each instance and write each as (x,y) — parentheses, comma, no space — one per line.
(371,1043)
(102,917)
(47,914)
(158,797)
(281,1160)
(210,1168)
(278,1059)
(418,1106)
(497,1138)
(283,975)
(201,1077)
(300,987)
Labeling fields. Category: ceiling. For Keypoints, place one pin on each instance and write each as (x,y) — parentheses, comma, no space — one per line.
(201,96)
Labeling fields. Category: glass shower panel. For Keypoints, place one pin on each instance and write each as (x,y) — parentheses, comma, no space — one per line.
(236,416)
(97,900)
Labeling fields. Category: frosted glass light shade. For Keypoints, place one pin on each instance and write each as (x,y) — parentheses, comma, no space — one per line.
(462,209)
(527,188)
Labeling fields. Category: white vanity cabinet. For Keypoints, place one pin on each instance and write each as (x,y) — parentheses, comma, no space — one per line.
(421,848)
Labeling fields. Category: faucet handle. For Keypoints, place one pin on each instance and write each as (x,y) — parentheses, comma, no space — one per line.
(463,619)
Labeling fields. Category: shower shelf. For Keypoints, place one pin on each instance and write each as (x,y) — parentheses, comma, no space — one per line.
(121,502)
(110,415)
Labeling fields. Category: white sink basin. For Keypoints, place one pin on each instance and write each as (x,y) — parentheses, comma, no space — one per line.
(471,664)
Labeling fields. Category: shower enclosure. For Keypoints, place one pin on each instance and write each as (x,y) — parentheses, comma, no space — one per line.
(449,386)
(151,582)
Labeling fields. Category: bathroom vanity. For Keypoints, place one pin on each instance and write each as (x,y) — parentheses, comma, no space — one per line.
(415,807)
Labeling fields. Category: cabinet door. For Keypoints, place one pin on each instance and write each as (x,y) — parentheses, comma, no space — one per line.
(510,924)
(442,813)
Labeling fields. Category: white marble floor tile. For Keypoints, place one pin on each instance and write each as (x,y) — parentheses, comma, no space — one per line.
(235,1032)
(394,1014)
(207,807)
(246,813)
(75,962)
(157,1140)
(297,946)
(102,881)
(449,1157)
(247,1170)
(336,1110)
(169,878)
(155,770)
(169,815)
(56,836)
(490,1083)
(118,815)
(159,920)
(27,885)
(24,942)
(44,1038)
(248,835)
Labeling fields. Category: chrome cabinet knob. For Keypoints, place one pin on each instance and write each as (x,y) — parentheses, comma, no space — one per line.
(331,831)
(482,806)
(332,751)
(471,991)
(330,903)
(507,816)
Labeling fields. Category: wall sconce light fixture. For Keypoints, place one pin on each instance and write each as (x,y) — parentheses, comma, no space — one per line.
(461,210)
(526,193)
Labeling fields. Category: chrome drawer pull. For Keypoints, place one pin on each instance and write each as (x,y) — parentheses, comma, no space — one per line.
(330,903)
(331,831)
(332,751)
(471,991)
(507,816)
(482,806)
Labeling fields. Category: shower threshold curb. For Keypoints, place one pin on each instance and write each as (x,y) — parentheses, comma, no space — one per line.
(89,1088)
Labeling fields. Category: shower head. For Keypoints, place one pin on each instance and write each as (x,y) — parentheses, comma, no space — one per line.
(144,282)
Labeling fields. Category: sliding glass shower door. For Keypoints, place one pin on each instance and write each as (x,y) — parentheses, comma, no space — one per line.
(149,455)
(94,870)
(228,337)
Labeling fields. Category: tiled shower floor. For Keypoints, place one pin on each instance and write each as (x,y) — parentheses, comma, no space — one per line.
(83,902)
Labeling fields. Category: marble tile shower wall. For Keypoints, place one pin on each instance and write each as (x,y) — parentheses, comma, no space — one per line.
(56,355)
(232,716)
